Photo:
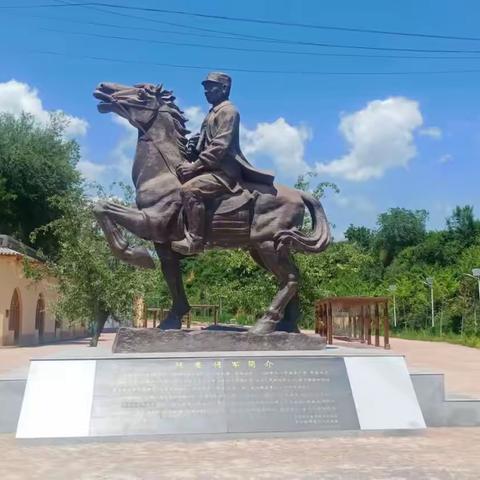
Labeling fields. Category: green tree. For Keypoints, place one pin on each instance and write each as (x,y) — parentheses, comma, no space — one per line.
(93,284)
(399,228)
(303,183)
(36,164)
(462,226)
(341,270)
(230,278)
(364,237)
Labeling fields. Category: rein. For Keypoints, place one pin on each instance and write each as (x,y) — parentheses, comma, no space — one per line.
(145,133)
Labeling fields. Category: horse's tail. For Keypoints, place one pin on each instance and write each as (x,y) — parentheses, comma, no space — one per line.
(315,242)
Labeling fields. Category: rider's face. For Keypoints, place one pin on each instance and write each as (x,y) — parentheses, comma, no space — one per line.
(214,92)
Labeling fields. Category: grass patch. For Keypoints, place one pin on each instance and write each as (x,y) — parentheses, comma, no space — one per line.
(469,340)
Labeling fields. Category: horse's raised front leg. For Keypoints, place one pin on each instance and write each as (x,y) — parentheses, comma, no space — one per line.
(172,273)
(282,266)
(110,215)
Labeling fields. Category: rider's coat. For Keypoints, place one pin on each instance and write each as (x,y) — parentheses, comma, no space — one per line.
(219,147)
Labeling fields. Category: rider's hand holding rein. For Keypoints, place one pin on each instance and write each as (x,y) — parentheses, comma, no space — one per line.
(192,152)
(185,171)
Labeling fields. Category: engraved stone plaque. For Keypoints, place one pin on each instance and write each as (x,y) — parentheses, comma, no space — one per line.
(145,396)
(215,395)
(288,394)
(232,392)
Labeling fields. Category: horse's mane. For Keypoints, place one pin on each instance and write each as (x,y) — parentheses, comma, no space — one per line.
(179,119)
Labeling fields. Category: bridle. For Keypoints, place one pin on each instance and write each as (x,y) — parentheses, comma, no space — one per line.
(146,135)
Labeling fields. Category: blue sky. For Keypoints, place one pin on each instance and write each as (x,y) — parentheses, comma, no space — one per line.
(386,140)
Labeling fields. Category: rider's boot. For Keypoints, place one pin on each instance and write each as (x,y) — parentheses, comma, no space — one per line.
(195,213)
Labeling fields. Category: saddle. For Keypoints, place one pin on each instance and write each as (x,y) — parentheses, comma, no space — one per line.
(229,216)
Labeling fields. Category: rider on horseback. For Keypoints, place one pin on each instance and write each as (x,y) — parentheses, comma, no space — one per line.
(216,164)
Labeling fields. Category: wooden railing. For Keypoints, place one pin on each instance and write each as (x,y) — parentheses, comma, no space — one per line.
(363,316)
(156,315)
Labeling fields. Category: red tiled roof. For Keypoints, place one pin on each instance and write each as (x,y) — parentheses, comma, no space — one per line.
(10,252)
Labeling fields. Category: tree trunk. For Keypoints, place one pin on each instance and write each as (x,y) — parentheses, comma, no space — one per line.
(100,319)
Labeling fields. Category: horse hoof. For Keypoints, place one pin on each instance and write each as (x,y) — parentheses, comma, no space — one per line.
(264,326)
(139,257)
(288,327)
(171,323)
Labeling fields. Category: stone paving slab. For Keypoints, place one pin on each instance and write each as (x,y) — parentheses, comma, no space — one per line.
(14,361)
(459,364)
(438,454)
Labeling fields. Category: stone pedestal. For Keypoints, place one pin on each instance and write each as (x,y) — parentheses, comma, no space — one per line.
(148,340)
(209,393)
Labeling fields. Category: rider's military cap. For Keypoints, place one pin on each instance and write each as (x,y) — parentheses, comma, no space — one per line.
(218,77)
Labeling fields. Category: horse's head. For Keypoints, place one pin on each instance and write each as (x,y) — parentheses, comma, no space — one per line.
(161,124)
(138,104)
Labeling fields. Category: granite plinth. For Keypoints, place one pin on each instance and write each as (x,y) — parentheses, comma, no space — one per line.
(224,393)
(145,340)
(226,327)
(11,395)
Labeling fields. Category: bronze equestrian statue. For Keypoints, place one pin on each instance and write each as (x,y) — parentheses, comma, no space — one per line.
(202,193)
(217,166)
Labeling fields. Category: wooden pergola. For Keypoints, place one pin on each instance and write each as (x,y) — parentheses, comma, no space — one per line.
(353,319)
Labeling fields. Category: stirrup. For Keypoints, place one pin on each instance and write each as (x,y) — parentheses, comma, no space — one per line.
(188,246)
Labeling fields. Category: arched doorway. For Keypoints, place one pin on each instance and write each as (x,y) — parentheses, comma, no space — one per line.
(14,319)
(40,318)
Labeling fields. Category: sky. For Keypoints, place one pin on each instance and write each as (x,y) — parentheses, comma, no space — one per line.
(390,132)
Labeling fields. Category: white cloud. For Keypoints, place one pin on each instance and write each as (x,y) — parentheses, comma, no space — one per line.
(124,151)
(17,97)
(279,142)
(380,137)
(358,203)
(445,158)
(432,132)
(76,127)
(195,117)
(119,166)
(90,170)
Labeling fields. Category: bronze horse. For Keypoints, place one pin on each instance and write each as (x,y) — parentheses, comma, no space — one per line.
(265,220)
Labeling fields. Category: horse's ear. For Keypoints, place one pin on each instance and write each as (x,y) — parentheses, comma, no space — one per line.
(159,88)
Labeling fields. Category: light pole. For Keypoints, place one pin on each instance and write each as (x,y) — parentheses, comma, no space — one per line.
(429,282)
(393,289)
(475,275)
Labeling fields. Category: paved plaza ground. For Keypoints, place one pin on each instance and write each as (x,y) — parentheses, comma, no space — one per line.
(437,454)
(461,365)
